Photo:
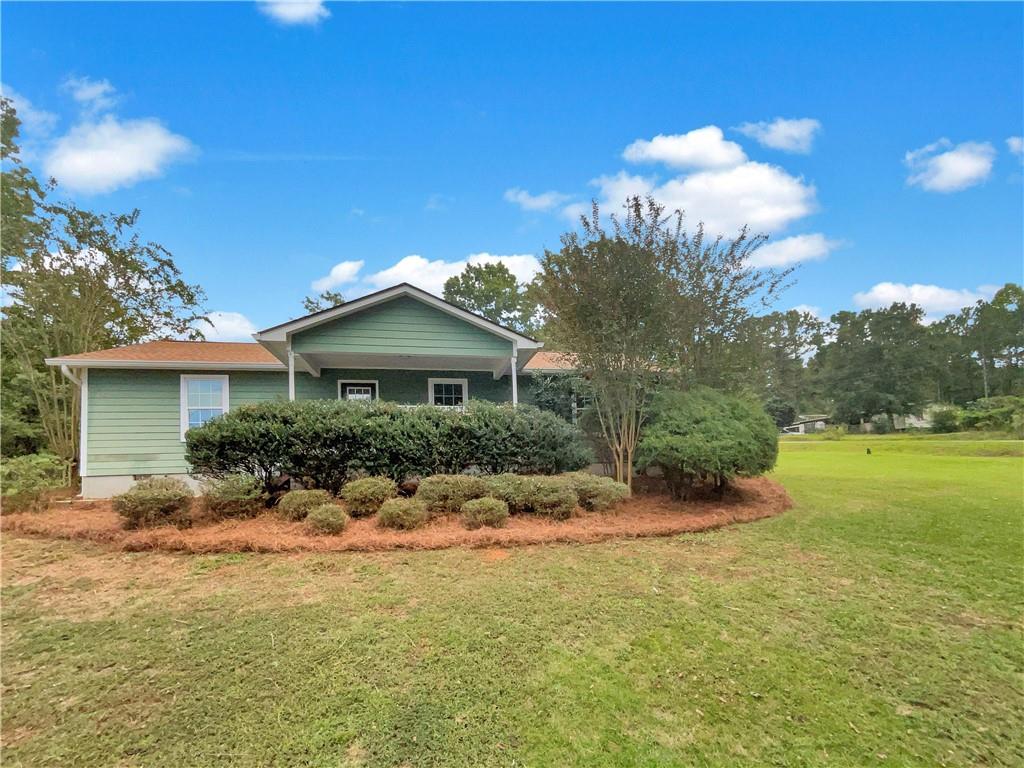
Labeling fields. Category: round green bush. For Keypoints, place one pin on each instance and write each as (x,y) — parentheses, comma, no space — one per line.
(445,494)
(703,438)
(26,482)
(486,511)
(403,514)
(295,505)
(945,420)
(327,519)
(553,497)
(234,496)
(363,497)
(155,501)
(597,493)
(517,491)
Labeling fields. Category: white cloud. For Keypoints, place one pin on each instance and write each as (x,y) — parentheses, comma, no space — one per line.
(228,326)
(793,250)
(789,135)
(93,95)
(35,122)
(342,273)
(431,275)
(951,170)
(700,148)
(295,11)
(762,196)
(438,202)
(933,299)
(809,309)
(545,201)
(105,155)
(1015,144)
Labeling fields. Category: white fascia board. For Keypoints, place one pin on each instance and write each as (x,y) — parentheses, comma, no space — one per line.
(172,365)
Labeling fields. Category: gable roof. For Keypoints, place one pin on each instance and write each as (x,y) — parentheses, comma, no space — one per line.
(282,331)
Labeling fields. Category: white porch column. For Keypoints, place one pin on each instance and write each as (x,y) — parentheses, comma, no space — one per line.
(291,372)
(515,384)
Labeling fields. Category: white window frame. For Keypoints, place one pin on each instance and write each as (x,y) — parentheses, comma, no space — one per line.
(375,382)
(430,391)
(185,379)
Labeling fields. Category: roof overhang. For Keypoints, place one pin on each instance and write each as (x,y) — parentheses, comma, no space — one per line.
(173,365)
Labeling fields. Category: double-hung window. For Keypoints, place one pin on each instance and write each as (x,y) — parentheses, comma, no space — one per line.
(357,390)
(202,398)
(450,393)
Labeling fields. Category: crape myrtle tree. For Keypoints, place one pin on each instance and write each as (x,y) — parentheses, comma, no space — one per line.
(77,281)
(643,301)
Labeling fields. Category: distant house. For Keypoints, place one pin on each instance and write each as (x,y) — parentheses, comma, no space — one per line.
(400,344)
(805,425)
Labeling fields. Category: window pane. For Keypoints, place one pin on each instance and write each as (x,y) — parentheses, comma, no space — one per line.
(205,393)
(199,416)
(448,394)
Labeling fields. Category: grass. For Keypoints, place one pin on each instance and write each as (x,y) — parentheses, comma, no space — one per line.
(877,623)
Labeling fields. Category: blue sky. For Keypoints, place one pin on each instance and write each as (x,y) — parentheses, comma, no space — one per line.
(268,145)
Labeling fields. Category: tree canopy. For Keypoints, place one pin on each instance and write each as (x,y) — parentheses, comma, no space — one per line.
(493,291)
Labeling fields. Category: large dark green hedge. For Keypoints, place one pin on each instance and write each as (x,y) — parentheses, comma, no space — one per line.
(704,438)
(325,443)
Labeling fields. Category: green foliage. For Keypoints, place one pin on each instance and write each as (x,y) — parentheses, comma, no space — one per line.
(403,514)
(445,494)
(597,493)
(517,491)
(326,300)
(324,443)
(834,432)
(295,505)
(155,501)
(234,496)
(327,519)
(880,425)
(25,481)
(492,291)
(946,419)
(363,497)
(703,437)
(783,412)
(995,414)
(486,511)
(553,497)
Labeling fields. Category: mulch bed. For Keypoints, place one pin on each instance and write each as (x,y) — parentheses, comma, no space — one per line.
(642,515)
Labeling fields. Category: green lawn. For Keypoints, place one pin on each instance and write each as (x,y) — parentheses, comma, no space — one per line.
(877,623)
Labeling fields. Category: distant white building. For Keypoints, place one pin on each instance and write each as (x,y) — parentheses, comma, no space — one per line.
(808,424)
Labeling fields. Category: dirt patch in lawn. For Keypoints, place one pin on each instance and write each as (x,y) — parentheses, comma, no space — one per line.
(642,515)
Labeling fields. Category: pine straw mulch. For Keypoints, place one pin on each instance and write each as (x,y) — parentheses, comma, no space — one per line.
(643,515)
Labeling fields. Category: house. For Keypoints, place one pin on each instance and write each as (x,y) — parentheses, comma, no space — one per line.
(807,424)
(400,344)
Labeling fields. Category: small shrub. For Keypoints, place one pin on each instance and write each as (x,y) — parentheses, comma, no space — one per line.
(234,496)
(880,425)
(26,481)
(945,420)
(553,497)
(444,494)
(155,501)
(295,505)
(364,497)
(597,493)
(403,514)
(327,519)
(516,491)
(486,511)
(996,414)
(835,432)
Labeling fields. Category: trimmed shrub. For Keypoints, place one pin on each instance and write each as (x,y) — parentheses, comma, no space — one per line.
(515,490)
(26,481)
(234,496)
(705,438)
(295,505)
(835,432)
(327,519)
(444,494)
(364,497)
(597,493)
(155,501)
(553,497)
(403,514)
(945,420)
(486,511)
(325,443)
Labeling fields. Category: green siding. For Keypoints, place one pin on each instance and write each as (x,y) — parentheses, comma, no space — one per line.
(134,416)
(402,326)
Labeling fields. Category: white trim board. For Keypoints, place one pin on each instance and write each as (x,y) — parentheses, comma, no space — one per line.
(224,396)
(83,426)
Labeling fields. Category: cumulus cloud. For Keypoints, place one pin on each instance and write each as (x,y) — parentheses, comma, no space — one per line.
(933,299)
(92,95)
(942,167)
(295,11)
(545,201)
(228,326)
(342,273)
(793,250)
(431,275)
(1015,144)
(700,148)
(35,122)
(808,309)
(789,135)
(107,154)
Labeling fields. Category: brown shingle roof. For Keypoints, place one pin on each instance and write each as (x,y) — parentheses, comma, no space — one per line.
(550,361)
(183,352)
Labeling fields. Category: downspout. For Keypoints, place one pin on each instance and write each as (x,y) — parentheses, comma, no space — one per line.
(82,382)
